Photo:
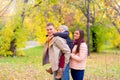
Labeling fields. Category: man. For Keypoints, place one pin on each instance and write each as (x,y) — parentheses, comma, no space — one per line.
(53,48)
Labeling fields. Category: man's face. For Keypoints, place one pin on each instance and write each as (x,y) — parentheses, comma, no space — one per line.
(50,30)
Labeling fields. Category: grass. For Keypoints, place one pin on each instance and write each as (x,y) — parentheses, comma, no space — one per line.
(102,66)
(24,68)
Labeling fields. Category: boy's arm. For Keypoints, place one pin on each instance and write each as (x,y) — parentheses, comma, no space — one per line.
(81,55)
(62,34)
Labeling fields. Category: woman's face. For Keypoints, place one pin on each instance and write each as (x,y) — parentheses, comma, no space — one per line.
(76,35)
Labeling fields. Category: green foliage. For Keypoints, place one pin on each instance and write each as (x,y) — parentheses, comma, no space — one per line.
(5,38)
(14,29)
(115,38)
(1,25)
(101,34)
(59,12)
(71,13)
(53,1)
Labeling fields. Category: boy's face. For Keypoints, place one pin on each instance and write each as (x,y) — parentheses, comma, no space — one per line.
(61,30)
(50,30)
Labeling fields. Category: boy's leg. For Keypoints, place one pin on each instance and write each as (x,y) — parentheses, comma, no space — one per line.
(49,70)
(59,73)
(61,66)
(62,61)
(66,75)
(55,73)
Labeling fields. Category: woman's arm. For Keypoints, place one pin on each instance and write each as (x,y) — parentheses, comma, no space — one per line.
(81,55)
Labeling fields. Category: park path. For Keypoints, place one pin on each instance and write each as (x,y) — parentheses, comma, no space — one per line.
(31,44)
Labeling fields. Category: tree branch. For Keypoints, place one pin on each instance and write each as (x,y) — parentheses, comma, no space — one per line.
(5,8)
(117,4)
(37,4)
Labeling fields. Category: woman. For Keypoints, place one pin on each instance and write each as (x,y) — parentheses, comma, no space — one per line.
(78,56)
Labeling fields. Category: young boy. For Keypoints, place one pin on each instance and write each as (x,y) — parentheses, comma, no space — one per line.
(63,32)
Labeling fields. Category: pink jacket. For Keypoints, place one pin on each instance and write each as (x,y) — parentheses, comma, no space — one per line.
(78,61)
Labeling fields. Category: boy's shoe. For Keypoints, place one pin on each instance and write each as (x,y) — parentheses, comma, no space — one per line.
(49,70)
(59,74)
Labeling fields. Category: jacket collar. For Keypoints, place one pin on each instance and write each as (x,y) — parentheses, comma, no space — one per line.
(51,42)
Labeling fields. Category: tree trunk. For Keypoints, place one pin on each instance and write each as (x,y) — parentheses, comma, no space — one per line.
(94,45)
(88,27)
(13,47)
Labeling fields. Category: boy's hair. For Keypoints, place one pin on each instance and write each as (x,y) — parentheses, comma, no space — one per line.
(64,27)
(50,24)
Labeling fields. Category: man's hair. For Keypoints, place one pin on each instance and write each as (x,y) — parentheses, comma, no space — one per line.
(50,24)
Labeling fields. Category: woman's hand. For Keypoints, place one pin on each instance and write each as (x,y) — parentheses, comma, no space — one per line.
(72,54)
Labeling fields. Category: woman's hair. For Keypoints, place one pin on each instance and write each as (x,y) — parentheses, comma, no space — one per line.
(81,38)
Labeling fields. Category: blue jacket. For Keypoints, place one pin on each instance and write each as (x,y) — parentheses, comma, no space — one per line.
(65,35)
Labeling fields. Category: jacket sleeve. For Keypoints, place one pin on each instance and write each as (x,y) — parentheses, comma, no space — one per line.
(45,55)
(82,54)
(62,45)
(62,34)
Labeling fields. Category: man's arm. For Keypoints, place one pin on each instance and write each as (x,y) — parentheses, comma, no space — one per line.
(62,45)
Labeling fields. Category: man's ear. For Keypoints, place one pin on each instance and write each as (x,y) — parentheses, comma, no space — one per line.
(46,35)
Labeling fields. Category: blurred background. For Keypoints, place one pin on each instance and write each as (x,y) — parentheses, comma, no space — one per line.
(23,23)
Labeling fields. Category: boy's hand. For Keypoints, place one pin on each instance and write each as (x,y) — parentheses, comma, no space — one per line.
(55,31)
